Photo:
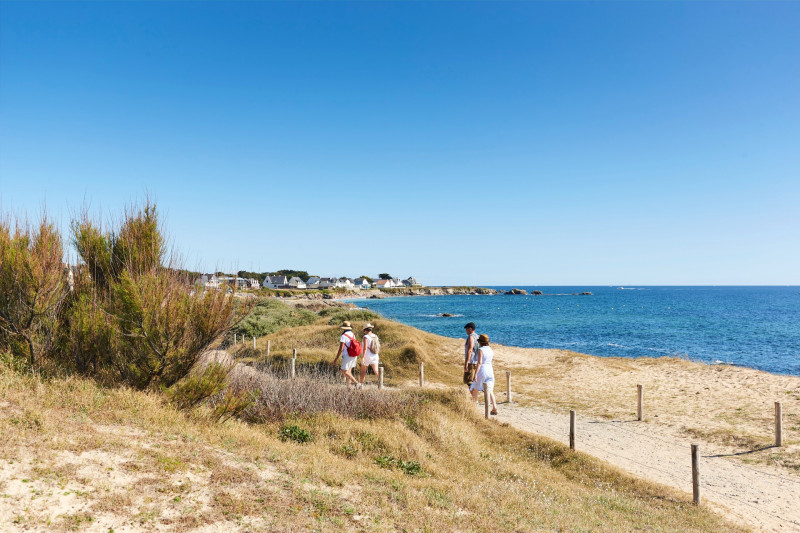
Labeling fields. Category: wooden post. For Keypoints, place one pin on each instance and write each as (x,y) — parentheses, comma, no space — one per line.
(294,353)
(268,343)
(421,374)
(254,342)
(640,416)
(234,339)
(485,402)
(778,424)
(572,429)
(380,377)
(291,373)
(695,475)
(508,385)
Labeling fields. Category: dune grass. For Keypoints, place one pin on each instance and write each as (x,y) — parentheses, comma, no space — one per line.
(75,455)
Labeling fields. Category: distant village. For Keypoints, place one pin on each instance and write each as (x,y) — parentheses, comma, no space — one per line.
(214,281)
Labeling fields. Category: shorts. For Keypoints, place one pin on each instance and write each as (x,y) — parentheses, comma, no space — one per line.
(369,359)
(469,375)
(348,362)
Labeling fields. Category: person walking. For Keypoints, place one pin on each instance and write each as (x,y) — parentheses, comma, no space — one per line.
(346,342)
(484,373)
(470,354)
(372,346)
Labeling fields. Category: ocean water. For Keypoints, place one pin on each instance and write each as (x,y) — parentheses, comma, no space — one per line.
(757,327)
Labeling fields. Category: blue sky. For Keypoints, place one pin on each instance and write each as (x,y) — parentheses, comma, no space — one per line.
(462,143)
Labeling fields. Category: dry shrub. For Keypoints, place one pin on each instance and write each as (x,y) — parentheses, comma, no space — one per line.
(314,391)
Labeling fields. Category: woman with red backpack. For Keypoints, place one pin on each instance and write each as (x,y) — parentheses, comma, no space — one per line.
(349,350)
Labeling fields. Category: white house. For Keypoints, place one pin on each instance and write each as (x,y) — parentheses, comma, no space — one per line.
(208,281)
(297,283)
(384,284)
(275,282)
(362,283)
(313,282)
(410,282)
(253,284)
(345,283)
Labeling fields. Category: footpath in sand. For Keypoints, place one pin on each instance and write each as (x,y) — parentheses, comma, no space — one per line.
(767,499)
(728,411)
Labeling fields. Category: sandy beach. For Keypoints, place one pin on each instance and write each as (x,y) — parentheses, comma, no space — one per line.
(728,410)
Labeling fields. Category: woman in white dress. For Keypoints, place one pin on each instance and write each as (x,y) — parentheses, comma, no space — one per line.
(371,348)
(484,373)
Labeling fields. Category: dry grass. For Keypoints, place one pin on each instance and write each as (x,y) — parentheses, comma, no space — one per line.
(75,455)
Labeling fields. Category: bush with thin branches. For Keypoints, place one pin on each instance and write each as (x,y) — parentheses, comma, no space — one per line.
(33,288)
(136,289)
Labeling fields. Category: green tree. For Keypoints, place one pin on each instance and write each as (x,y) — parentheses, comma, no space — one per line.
(384,276)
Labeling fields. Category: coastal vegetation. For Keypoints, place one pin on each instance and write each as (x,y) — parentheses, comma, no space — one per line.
(124,403)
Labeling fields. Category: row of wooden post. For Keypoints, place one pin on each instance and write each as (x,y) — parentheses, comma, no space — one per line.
(778,415)
(695,447)
(695,454)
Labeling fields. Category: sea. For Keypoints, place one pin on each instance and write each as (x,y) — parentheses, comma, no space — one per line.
(756,327)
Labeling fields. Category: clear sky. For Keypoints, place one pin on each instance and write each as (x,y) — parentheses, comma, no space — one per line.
(462,143)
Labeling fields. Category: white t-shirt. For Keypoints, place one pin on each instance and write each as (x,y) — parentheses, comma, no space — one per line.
(368,344)
(346,338)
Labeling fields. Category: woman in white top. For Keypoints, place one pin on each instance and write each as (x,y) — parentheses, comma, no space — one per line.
(348,363)
(371,348)
(484,373)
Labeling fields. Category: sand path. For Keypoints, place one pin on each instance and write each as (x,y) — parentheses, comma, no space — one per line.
(765,498)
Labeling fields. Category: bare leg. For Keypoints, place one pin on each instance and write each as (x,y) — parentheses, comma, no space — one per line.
(363,373)
(493,400)
(474,393)
(349,377)
(374,367)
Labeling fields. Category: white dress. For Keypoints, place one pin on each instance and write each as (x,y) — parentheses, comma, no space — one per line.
(486,372)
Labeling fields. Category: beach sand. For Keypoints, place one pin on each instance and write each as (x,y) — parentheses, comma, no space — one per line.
(729,411)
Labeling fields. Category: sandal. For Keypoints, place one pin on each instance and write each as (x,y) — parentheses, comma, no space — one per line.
(494,412)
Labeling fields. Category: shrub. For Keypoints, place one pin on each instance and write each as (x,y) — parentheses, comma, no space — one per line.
(337,315)
(316,389)
(33,288)
(411,468)
(269,316)
(159,324)
(199,386)
(295,433)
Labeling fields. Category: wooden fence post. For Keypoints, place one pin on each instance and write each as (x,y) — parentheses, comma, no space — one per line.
(380,377)
(572,429)
(268,343)
(640,415)
(421,374)
(778,425)
(485,402)
(294,353)
(291,372)
(234,339)
(508,386)
(254,342)
(695,474)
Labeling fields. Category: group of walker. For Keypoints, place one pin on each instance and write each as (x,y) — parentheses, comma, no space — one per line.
(478,355)
(350,349)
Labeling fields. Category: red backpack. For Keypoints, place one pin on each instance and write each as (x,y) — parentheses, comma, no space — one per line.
(354,349)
